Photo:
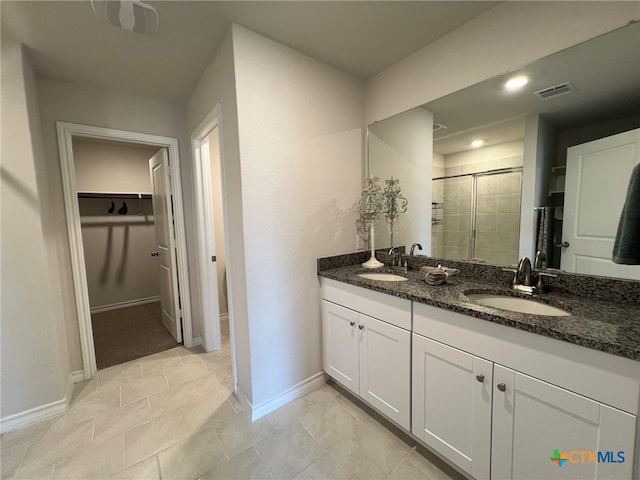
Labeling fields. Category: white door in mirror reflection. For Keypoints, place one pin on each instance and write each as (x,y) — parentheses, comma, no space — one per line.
(598,174)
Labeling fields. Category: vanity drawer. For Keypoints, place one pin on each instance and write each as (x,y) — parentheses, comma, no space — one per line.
(390,309)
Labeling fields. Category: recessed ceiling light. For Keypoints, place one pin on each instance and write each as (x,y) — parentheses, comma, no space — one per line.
(477,143)
(516,83)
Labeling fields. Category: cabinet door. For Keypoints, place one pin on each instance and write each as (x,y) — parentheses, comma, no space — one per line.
(452,404)
(545,432)
(340,344)
(385,366)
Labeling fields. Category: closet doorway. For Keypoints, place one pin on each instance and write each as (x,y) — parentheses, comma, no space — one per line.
(127,242)
(129,316)
(213,223)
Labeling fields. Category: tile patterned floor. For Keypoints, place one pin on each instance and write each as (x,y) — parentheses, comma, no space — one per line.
(172,415)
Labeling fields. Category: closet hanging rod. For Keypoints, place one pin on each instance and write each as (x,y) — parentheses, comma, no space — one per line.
(113,195)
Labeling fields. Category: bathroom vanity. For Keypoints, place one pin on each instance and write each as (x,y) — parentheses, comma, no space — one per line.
(498,394)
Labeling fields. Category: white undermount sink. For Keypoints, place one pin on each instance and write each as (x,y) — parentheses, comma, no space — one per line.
(383,277)
(515,304)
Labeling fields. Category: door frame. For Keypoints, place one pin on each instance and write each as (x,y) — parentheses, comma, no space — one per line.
(206,234)
(66,132)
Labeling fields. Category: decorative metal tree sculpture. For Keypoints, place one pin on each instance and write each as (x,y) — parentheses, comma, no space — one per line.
(395,203)
(371,203)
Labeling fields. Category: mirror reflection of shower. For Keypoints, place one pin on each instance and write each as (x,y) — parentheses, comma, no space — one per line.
(477,215)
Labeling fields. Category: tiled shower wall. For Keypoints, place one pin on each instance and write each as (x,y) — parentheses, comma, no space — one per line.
(457,217)
(497,212)
(498,218)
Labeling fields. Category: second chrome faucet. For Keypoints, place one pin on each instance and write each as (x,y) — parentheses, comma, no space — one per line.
(397,260)
(523,276)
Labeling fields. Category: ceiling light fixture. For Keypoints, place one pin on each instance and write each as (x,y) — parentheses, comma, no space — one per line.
(477,143)
(516,83)
(130,15)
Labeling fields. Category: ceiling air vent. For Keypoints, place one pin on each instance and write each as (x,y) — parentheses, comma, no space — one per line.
(438,127)
(131,15)
(555,91)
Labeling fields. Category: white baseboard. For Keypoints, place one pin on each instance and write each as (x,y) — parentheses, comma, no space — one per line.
(29,417)
(224,324)
(43,412)
(129,303)
(77,376)
(196,341)
(297,391)
(242,398)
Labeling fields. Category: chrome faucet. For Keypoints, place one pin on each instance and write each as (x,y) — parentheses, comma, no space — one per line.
(413,247)
(540,257)
(395,259)
(524,271)
(523,280)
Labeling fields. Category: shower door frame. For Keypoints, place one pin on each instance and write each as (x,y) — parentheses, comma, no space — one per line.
(474,197)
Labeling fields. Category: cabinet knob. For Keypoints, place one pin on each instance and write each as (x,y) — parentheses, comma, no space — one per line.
(155,254)
(353,324)
(502,387)
(480,378)
(361,327)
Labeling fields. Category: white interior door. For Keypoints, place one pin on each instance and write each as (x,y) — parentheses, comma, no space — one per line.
(165,239)
(209,281)
(598,174)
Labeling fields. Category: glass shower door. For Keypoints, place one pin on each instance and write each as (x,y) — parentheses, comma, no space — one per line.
(477,216)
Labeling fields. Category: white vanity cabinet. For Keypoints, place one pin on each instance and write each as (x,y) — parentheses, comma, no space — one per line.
(451,398)
(367,346)
(532,419)
(506,423)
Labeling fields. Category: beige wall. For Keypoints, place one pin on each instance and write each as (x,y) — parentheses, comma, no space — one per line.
(117,248)
(102,107)
(402,147)
(300,124)
(507,36)
(35,362)
(112,166)
(217,86)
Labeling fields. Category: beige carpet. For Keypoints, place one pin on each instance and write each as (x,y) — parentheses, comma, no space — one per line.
(129,333)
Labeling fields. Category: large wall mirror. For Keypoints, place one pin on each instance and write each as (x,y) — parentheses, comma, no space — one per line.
(493,174)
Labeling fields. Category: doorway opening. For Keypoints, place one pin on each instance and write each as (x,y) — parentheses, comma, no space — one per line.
(120,239)
(213,241)
(126,232)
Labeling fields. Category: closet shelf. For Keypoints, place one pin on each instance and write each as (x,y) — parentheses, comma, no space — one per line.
(113,195)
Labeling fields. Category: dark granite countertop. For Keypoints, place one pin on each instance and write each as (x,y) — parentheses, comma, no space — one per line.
(610,327)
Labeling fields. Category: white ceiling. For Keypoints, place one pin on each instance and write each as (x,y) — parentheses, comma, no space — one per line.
(605,72)
(65,40)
